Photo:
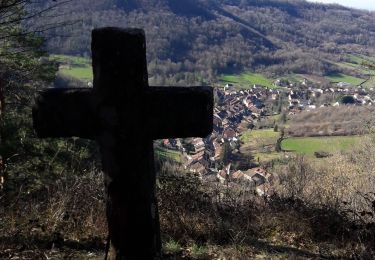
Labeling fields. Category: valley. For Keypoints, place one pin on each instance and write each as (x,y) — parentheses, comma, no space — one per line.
(287,172)
(260,121)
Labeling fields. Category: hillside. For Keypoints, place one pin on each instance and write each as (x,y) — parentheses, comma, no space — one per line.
(275,180)
(196,40)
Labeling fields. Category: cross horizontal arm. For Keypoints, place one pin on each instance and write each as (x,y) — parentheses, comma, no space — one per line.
(178,112)
(65,112)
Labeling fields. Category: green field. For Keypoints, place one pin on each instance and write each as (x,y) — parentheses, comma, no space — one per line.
(262,136)
(293,78)
(370,83)
(77,67)
(248,79)
(260,144)
(356,58)
(359,58)
(345,78)
(355,64)
(309,145)
(356,68)
(168,154)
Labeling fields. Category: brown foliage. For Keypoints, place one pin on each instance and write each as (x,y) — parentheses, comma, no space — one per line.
(332,121)
(70,213)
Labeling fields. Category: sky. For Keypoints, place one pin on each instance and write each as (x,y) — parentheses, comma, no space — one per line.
(361,4)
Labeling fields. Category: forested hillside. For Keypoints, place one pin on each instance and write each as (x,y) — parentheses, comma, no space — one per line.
(195,40)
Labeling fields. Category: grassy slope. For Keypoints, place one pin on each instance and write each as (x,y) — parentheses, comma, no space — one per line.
(345,78)
(355,67)
(168,154)
(294,78)
(308,145)
(261,144)
(370,83)
(256,139)
(80,68)
(355,64)
(248,79)
(262,136)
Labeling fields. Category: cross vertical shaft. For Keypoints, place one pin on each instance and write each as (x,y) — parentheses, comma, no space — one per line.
(120,81)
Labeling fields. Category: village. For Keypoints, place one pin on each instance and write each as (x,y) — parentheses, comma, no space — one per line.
(239,110)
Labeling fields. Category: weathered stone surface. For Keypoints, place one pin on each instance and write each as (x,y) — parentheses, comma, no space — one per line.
(123,114)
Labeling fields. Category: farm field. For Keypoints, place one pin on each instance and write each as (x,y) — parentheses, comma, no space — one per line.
(356,67)
(309,145)
(345,78)
(355,63)
(248,79)
(261,144)
(73,66)
(260,137)
(168,154)
(293,78)
(370,83)
(359,58)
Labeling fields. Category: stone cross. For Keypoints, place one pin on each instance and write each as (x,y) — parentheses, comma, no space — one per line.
(124,115)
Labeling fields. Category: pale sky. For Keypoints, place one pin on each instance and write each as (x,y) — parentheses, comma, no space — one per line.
(361,4)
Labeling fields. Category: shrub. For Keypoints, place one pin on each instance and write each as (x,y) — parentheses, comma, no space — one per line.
(322,154)
(347,100)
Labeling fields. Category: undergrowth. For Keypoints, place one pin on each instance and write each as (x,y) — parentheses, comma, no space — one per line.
(199,220)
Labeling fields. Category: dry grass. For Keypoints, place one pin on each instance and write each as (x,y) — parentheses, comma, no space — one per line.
(68,214)
(332,121)
(316,214)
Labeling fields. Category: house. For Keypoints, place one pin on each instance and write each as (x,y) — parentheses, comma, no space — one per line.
(228,86)
(198,156)
(198,168)
(166,143)
(229,134)
(178,145)
(222,176)
(258,179)
(260,176)
(238,175)
(343,84)
(197,146)
(241,177)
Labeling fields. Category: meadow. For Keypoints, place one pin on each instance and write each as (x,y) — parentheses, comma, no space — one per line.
(309,145)
(345,78)
(76,67)
(260,144)
(248,79)
(355,63)
(260,137)
(166,154)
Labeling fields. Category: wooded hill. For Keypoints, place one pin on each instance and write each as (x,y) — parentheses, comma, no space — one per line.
(199,39)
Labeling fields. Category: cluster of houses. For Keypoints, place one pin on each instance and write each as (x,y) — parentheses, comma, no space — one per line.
(304,96)
(235,112)
(257,179)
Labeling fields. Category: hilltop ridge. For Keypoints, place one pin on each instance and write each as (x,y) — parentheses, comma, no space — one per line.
(200,39)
